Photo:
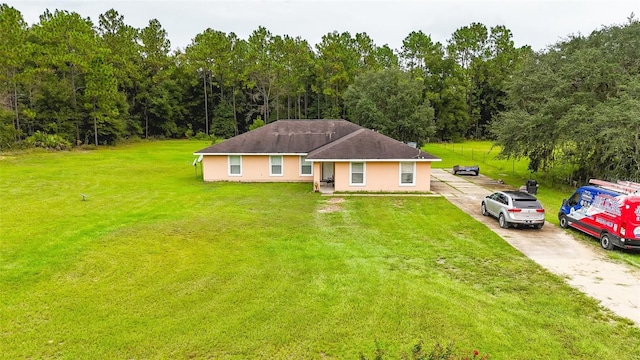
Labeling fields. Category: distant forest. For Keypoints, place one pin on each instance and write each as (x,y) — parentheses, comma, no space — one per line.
(67,81)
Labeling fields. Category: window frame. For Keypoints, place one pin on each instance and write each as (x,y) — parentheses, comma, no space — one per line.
(271,157)
(229,164)
(413,173)
(303,159)
(364,173)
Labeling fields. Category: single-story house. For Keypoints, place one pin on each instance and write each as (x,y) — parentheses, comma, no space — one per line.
(334,152)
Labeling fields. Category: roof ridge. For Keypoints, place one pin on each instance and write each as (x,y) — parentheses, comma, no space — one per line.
(369,144)
(286,136)
(339,140)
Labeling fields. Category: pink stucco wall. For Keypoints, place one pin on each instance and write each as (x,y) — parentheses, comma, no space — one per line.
(379,176)
(384,176)
(255,168)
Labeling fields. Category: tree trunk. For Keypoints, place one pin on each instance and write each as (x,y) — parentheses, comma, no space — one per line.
(221,90)
(211,84)
(15,102)
(235,114)
(336,99)
(266,105)
(206,106)
(30,123)
(73,87)
(146,119)
(95,123)
(73,99)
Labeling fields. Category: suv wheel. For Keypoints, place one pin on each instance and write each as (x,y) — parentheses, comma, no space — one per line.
(484,209)
(503,221)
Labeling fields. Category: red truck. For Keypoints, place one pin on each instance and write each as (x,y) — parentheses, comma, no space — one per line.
(606,210)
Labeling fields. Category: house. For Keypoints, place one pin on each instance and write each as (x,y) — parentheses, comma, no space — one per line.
(337,153)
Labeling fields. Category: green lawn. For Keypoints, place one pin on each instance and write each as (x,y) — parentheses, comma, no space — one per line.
(515,173)
(158,264)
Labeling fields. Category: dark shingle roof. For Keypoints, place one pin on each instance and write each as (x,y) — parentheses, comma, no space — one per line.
(365,144)
(285,137)
(320,139)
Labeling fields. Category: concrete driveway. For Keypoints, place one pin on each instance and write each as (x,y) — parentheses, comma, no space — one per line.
(615,285)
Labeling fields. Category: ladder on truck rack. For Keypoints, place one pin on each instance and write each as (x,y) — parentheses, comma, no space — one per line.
(625,187)
(632,184)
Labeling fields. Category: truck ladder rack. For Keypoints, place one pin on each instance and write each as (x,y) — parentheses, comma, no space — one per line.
(630,184)
(623,188)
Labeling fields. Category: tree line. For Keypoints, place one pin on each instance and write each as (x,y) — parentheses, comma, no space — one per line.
(96,83)
(577,106)
(68,80)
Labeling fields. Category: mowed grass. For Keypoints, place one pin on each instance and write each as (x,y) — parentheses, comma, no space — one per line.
(512,172)
(158,264)
(551,192)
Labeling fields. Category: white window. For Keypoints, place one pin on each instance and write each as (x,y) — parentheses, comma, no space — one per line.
(235,165)
(357,174)
(407,173)
(275,165)
(306,167)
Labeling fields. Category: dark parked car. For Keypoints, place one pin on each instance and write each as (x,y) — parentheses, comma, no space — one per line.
(516,208)
(473,169)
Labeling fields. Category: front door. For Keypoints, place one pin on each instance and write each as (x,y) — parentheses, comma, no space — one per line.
(327,170)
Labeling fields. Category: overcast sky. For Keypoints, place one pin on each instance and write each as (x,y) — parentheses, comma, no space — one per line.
(533,22)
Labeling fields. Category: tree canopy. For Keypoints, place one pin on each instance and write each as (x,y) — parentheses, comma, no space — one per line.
(578,104)
(97,83)
(391,102)
(82,82)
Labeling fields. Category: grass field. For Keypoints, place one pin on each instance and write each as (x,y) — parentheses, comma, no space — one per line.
(158,264)
(515,173)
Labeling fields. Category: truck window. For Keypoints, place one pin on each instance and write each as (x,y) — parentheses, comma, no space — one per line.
(574,199)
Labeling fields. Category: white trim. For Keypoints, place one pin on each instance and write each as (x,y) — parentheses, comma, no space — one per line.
(413,183)
(364,173)
(373,160)
(229,165)
(271,165)
(319,160)
(250,154)
(300,167)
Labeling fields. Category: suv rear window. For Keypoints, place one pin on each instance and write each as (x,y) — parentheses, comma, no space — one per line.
(527,204)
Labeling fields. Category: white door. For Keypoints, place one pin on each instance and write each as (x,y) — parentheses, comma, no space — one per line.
(327,170)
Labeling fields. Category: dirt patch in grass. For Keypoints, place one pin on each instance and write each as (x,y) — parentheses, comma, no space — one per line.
(331,205)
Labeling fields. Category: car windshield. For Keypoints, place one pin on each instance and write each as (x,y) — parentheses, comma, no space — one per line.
(526,204)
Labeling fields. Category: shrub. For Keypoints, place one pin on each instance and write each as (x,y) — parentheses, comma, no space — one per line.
(258,122)
(189,132)
(48,141)
(438,352)
(202,136)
